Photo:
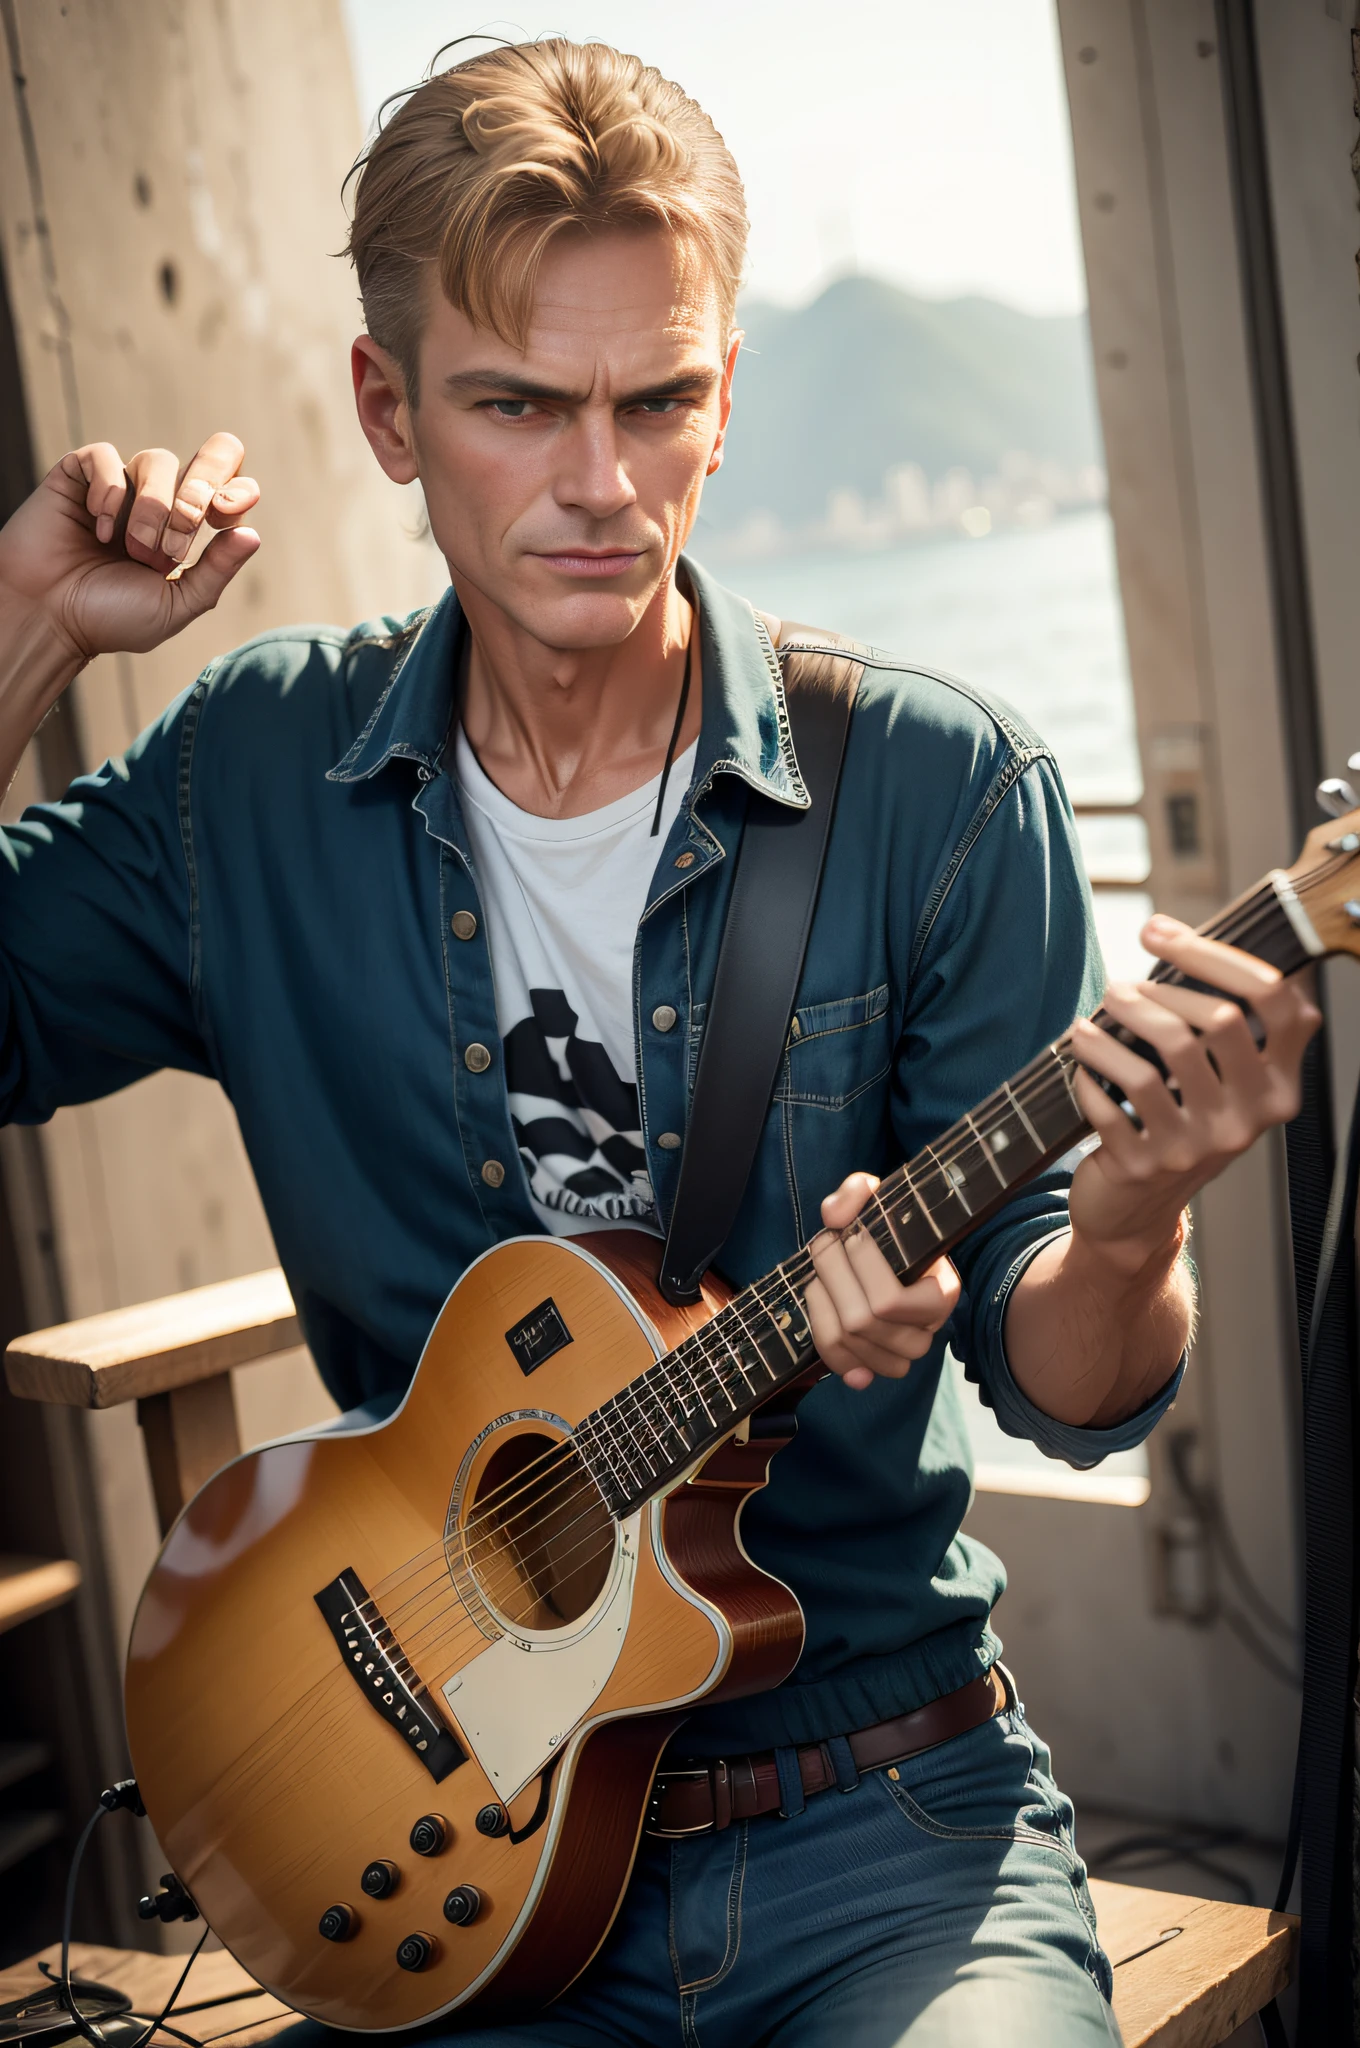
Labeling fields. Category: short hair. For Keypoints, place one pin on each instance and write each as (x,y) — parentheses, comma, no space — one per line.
(485,163)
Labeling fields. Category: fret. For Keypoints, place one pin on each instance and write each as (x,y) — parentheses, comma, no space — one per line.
(1029,1129)
(719,1366)
(987,1149)
(681,1356)
(753,1338)
(786,1314)
(1051,1105)
(923,1206)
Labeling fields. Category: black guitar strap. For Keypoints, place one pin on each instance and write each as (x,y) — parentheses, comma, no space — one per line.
(769,916)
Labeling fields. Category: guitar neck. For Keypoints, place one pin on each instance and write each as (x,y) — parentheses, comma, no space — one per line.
(642,1440)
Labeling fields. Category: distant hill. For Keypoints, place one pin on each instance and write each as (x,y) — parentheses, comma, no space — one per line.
(832,394)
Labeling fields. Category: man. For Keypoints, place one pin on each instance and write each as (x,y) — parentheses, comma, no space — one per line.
(439,901)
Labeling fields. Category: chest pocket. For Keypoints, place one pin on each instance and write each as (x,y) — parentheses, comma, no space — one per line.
(836,1050)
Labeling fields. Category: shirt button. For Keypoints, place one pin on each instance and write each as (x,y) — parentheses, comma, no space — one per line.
(463,925)
(493,1173)
(477,1059)
(663,1016)
(685,860)
(669,1141)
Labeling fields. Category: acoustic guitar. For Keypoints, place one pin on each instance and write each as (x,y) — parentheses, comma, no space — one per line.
(395,1698)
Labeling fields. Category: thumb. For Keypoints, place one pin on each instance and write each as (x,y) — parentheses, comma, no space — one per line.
(198,589)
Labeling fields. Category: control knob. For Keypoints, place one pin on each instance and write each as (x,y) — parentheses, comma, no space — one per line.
(430,1834)
(462,1905)
(381,1878)
(338,1923)
(415,1952)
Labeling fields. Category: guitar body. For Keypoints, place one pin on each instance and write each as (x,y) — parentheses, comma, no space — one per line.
(486,1637)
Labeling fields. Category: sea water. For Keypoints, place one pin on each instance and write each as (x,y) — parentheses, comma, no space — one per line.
(1032,616)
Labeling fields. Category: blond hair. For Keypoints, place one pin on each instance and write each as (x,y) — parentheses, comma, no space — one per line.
(485,163)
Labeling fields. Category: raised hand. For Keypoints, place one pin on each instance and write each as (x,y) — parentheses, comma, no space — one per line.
(93,555)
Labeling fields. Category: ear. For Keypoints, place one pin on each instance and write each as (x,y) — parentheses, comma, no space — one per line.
(384,415)
(725,400)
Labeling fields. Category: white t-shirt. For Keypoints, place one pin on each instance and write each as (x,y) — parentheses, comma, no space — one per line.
(562,898)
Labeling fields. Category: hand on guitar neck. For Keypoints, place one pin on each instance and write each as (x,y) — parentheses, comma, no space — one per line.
(1096,1323)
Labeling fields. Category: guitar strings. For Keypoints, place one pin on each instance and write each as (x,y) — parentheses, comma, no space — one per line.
(493,1511)
(1246,921)
(1249,914)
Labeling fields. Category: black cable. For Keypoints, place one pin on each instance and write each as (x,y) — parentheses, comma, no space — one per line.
(156,2026)
(1261,1651)
(1209,1507)
(1147,1851)
(85,2026)
(675,733)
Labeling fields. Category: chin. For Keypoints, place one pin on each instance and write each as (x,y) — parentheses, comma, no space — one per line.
(581,618)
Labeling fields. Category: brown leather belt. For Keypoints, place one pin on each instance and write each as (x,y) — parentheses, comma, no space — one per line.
(712,1796)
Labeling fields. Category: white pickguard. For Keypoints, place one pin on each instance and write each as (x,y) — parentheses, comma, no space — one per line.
(520,1698)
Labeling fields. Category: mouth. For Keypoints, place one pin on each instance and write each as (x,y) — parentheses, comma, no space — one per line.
(591,562)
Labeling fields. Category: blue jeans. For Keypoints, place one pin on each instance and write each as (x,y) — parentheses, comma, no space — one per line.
(942,1908)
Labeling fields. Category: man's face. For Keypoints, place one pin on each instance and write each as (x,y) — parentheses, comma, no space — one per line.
(563,482)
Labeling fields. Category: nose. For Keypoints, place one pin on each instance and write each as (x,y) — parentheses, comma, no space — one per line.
(593,478)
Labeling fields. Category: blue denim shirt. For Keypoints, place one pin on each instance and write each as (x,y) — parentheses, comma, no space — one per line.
(262,890)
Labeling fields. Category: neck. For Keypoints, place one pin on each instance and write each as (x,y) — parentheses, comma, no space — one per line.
(563,731)
(646,1437)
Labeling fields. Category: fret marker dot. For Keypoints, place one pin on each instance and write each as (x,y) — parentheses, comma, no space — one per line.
(999,1141)
(957,1176)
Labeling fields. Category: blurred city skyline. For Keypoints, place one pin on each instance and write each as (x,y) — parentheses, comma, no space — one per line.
(921,143)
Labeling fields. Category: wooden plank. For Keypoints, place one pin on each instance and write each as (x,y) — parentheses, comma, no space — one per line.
(1187,1971)
(129,1354)
(189,1434)
(219,2002)
(1184,1989)
(30,1585)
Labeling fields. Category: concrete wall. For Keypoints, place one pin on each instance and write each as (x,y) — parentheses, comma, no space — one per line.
(169,208)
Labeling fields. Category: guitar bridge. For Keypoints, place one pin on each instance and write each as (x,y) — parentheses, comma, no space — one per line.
(375,1662)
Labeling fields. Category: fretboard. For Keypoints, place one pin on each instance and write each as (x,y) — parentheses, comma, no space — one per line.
(644,1438)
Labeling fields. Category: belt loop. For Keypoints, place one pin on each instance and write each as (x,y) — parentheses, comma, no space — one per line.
(722,1794)
(843,1763)
(791,1800)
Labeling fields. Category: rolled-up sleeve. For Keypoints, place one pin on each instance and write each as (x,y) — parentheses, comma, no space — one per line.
(1005,962)
(96,931)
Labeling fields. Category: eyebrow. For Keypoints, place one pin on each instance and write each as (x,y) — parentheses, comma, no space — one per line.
(508,385)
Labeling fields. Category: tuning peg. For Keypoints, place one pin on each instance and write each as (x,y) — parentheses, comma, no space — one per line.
(1335,796)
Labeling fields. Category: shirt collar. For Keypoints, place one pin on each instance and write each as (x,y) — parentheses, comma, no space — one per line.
(745,728)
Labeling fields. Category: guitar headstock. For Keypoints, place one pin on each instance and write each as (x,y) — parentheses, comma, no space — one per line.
(1326,876)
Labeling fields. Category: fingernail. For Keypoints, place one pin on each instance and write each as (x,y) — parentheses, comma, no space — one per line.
(147,535)
(103,527)
(1163,926)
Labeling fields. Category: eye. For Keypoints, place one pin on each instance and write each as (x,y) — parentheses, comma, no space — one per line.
(659,405)
(510,408)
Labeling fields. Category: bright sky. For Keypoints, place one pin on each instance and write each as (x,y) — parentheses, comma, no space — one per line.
(924,140)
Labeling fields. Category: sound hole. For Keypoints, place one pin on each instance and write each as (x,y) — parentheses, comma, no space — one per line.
(536,1535)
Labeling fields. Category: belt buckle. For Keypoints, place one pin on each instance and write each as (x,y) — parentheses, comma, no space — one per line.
(661,1784)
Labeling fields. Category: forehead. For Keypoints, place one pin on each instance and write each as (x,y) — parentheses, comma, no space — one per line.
(619,295)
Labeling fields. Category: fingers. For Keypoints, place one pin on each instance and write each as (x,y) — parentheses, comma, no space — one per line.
(197,589)
(863,1320)
(99,467)
(172,502)
(844,1205)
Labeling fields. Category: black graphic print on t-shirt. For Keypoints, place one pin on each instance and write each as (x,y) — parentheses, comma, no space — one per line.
(576,1121)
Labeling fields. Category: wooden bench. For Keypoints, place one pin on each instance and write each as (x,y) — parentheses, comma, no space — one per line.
(1188,1971)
